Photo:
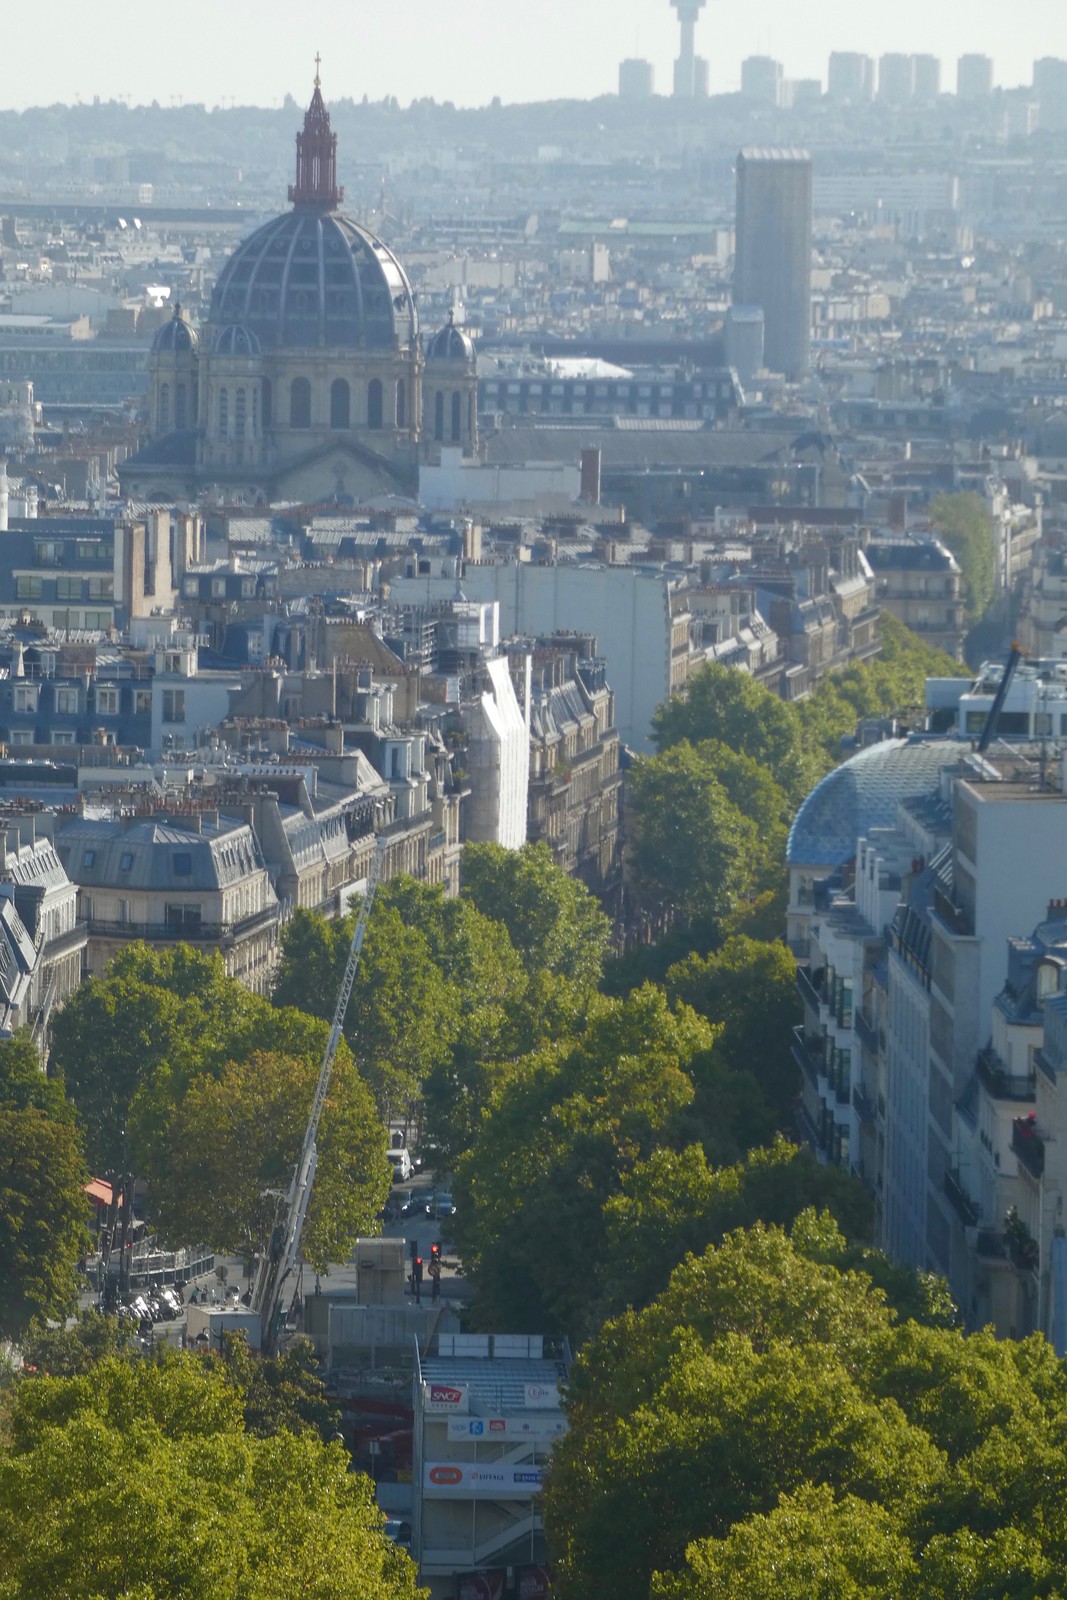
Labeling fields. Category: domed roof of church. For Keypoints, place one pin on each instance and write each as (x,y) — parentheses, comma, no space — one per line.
(176,337)
(313,277)
(450,343)
(237,340)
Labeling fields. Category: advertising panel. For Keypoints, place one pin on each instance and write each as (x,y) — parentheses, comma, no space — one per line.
(481,1480)
(532,1583)
(438,1398)
(506,1427)
(480,1585)
(542,1396)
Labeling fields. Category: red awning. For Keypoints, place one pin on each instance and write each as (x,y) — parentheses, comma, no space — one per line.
(97,1189)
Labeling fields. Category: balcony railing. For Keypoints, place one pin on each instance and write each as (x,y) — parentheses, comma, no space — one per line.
(865,1106)
(960,1200)
(808,992)
(868,1035)
(1002,1084)
(1029,1146)
(184,932)
(1046,1066)
(810,1064)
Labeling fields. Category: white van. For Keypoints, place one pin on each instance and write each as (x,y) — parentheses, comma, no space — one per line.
(400,1162)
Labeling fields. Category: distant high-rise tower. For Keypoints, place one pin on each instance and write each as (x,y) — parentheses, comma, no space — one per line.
(772,263)
(685,68)
(761,79)
(850,77)
(974,77)
(925,78)
(636,80)
(896,79)
(1050,87)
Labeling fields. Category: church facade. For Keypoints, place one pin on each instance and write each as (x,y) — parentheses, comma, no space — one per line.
(309,380)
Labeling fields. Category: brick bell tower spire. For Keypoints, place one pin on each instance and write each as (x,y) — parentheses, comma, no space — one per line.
(316,186)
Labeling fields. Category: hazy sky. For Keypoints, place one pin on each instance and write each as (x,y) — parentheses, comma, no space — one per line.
(255,51)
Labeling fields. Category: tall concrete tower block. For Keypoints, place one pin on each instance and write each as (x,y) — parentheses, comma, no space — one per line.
(685,68)
(772,264)
(974,77)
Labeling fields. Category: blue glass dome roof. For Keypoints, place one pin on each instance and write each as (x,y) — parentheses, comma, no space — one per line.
(237,340)
(176,337)
(450,344)
(863,793)
(315,278)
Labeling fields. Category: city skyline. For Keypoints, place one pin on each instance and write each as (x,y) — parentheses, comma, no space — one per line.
(556,49)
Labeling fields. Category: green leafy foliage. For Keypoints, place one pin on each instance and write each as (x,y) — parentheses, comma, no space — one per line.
(555,1144)
(283,1392)
(43,1206)
(676,1203)
(708,835)
(229,1146)
(140,1482)
(749,986)
(731,708)
(553,921)
(70,1352)
(773,1425)
(965,526)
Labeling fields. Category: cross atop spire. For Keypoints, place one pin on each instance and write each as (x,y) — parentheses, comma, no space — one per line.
(316,186)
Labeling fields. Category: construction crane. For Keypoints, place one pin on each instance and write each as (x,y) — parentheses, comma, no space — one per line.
(1015,655)
(280,1258)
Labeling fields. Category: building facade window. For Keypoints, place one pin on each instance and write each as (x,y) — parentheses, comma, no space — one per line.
(340,404)
(401,404)
(174,705)
(26,697)
(180,408)
(457,429)
(107,701)
(68,588)
(164,406)
(267,401)
(240,411)
(374,404)
(438,415)
(300,403)
(224,413)
(67,702)
(28,588)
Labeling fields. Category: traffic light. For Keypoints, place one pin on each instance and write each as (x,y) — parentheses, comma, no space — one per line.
(418,1269)
(435,1252)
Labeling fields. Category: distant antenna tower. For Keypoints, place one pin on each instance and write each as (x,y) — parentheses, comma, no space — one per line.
(690,72)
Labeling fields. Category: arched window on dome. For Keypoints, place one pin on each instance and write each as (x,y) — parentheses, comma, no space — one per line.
(374,403)
(180,412)
(224,413)
(267,414)
(438,415)
(340,404)
(164,406)
(240,411)
(300,403)
(470,416)
(457,429)
(401,404)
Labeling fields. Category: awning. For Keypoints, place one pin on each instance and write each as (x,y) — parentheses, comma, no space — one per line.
(97,1189)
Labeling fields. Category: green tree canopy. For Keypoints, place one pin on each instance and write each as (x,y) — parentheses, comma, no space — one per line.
(230,1144)
(772,1425)
(749,986)
(44,1210)
(140,1482)
(729,707)
(697,849)
(554,1145)
(552,920)
(963,522)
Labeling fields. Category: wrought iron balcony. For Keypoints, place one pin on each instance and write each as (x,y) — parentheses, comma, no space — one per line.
(808,992)
(1029,1146)
(960,1200)
(865,1106)
(810,1063)
(1000,1083)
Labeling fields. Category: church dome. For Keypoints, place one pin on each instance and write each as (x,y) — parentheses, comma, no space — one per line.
(237,340)
(316,278)
(450,344)
(313,277)
(176,337)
